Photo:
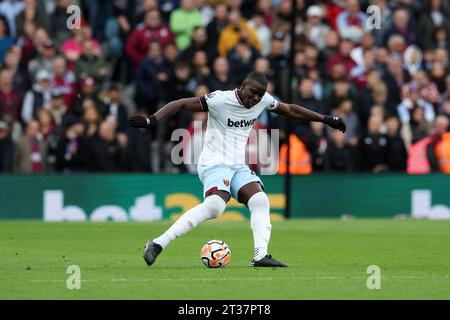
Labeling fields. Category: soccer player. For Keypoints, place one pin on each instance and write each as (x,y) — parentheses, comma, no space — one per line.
(221,166)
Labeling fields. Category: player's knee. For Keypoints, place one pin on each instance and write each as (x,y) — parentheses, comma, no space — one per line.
(259,202)
(215,205)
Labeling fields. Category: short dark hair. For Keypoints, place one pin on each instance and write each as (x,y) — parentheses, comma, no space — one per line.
(257,77)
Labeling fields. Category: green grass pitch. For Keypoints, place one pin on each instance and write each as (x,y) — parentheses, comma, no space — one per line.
(328,259)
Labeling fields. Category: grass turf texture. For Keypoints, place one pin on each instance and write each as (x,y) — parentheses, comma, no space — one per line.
(328,259)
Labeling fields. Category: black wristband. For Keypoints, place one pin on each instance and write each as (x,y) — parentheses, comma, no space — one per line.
(151,121)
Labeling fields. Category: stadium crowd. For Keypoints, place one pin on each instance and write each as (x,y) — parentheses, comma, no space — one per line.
(66,95)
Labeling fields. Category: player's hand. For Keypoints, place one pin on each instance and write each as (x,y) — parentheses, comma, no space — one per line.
(335,123)
(142,122)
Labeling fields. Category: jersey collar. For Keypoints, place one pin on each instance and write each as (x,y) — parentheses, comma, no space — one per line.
(236,92)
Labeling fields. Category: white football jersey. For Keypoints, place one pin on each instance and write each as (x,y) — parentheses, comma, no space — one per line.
(229,126)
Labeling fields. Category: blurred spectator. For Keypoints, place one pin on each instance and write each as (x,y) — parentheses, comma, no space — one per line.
(200,42)
(79,43)
(21,77)
(242,59)
(305,96)
(30,151)
(337,91)
(282,19)
(373,146)
(58,109)
(50,133)
(318,86)
(359,73)
(44,61)
(432,17)
(6,145)
(180,89)
(88,91)
(395,77)
(278,63)
(417,128)
(380,97)
(396,45)
(152,75)
(91,65)
(30,14)
(351,23)
(367,43)
(366,96)
(263,32)
(116,30)
(413,59)
(316,30)
(401,25)
(114,107)
(396,149)
(445,108)
(10,9)
(139,151)
(220,78)
(437,77)
(71,148)
(331,44)
(38,97)
(344,109)
(26,42)
(99,11)
(200,69)
(63,81)
(171,54)
(91,118)
(206,11)
(442,145)
(441,56)
(262,65)
(167,7)
(428,58)
(152,29)
(316,143)
(342,56)
(339,156)
(265,8)
(237,31)
(136,10)
(386,17)
(58,22)
(299,157)
(441,38)
(218,23)
(183,21)
(312,60)
(6,41)
(104,153)
(300,67)
(10,97)
(412,98)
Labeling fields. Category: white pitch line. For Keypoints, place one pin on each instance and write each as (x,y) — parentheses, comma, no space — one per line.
(232,279)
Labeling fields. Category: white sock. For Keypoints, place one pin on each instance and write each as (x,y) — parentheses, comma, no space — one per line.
(259,207)
(210,208)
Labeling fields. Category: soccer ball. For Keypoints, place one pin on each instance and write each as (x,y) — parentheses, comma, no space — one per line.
(216,254)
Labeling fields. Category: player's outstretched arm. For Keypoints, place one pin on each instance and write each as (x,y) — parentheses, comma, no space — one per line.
(189,104)
(296,112)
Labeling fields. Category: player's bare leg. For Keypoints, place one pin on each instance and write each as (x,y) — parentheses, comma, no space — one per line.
(213,206)
(257,202)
